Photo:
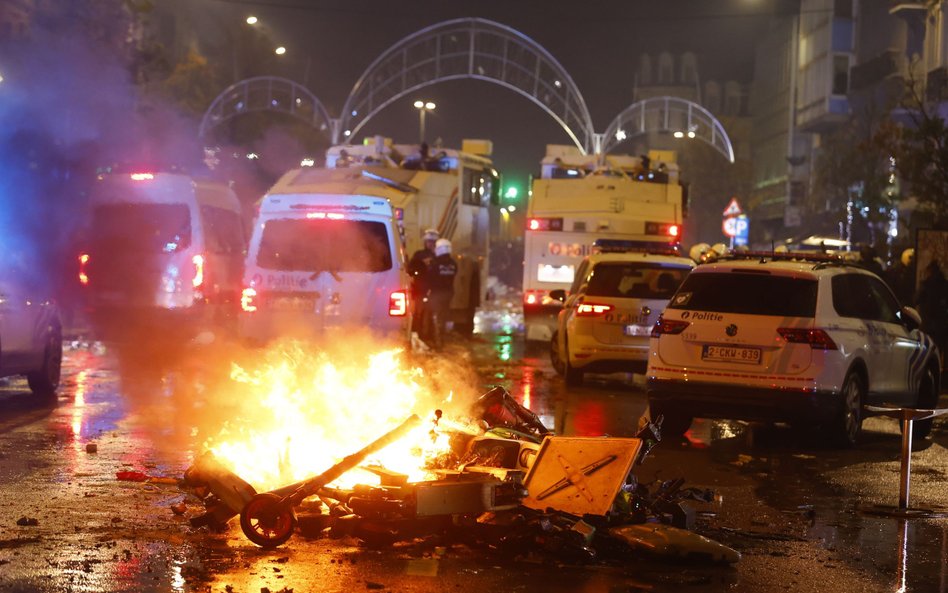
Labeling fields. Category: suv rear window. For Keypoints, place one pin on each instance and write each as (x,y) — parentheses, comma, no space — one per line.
(750,293)
(141,228)
(634,280)
(317,245)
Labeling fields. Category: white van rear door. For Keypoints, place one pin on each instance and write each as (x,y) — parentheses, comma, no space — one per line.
(343,267)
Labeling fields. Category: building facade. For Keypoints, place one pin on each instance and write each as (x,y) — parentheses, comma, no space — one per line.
(712,181)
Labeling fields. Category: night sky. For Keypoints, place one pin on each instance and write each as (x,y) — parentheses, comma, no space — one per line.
(597,42)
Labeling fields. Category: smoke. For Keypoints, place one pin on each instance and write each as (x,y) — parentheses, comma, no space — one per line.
(48,124)
(68,105)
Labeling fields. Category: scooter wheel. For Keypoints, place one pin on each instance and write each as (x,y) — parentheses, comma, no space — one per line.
(266,522)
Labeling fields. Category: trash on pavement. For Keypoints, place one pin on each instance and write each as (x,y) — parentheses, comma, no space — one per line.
(665,540)
(580,475)
(268,519)
(510,487)
(222,491)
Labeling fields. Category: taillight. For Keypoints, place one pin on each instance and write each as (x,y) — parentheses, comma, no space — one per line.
(533,297)
(545,224)
(668,326)
(398,303)
(198,280)
(592,309)
(662,228)
(247,298)
(142,176)
(818,339)
(83,276)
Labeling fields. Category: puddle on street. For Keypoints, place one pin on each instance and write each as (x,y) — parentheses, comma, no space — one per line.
(911,554)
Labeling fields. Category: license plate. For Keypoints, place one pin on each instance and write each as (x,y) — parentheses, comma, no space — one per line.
(625,318)
(637,330)
(731,354)
(293,304)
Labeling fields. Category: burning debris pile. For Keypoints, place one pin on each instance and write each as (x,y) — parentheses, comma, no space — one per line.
(498,480)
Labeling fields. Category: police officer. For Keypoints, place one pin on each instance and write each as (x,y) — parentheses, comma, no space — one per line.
(419,267)
(441,289)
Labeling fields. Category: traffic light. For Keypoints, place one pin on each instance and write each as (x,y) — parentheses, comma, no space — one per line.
(511,192)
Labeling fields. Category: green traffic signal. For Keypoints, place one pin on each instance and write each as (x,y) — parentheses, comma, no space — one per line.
(511,193)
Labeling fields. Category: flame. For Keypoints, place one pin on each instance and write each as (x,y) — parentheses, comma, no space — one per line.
(304,410)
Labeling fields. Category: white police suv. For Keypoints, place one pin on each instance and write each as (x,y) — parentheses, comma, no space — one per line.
(788,337)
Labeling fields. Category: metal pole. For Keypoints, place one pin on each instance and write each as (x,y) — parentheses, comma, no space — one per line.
(906,468)
(421,118)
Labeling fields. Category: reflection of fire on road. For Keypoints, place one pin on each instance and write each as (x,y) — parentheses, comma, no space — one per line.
(303,409)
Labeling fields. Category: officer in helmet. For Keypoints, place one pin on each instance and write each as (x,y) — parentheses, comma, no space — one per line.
(441,290)
(901,277)
(419,267)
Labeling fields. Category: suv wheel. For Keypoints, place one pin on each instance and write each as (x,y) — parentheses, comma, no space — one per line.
(848,425)
(927,399)
(675,423)
(555,357)
(46,380)
(572,375)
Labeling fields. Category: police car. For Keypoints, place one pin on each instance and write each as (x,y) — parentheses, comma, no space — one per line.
(31,341)
(788,337)
(615,299)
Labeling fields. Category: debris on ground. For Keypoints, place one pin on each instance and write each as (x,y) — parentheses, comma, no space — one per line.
(137,476)
(513,488)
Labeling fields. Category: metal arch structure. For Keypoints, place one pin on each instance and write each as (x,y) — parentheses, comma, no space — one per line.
(469,48)
(267,93)
(667,114)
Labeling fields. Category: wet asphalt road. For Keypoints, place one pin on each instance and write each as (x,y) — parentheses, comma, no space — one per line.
(794,510)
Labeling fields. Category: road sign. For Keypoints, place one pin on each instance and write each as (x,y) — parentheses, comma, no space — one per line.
(737,228)
(733,209)
(743,231)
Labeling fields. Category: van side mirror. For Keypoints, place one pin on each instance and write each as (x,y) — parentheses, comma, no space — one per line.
(558,295)
(911,318)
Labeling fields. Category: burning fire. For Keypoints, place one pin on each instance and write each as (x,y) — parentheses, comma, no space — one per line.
(305,410)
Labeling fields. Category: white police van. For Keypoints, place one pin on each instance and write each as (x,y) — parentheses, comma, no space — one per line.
(319,261)
(163,252)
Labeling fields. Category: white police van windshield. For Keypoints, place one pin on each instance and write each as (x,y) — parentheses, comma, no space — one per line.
(317,245)
(142,228)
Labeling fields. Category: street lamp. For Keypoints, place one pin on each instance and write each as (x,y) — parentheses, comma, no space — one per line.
(280,51)
(251,20)
(423,107)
